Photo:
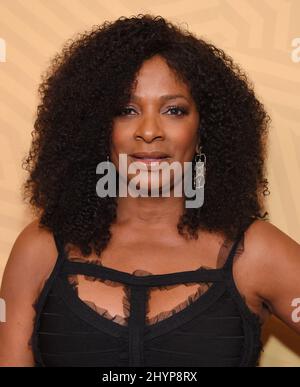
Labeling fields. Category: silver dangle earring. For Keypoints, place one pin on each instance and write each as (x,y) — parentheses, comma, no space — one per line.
(200,169)
(107,157)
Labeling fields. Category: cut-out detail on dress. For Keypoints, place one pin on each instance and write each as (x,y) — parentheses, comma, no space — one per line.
(123,320)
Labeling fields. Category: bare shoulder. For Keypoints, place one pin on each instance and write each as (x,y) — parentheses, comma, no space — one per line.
(269,268)
(31,260)
(267,243)
(32,256)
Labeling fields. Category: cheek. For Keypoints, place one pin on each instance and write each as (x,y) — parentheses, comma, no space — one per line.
(184,137)
(119,140)
(184,145)
(120,144)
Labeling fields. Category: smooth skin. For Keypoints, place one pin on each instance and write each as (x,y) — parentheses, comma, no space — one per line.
(145,234)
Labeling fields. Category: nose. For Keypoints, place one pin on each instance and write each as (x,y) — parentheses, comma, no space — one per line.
(149,130)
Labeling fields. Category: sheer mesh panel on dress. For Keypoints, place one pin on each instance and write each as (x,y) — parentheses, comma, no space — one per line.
(111,299)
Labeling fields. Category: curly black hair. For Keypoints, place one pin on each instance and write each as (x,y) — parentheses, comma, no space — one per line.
(86,86)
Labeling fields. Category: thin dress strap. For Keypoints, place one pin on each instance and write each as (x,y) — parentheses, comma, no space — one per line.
(236,249)
(59,246)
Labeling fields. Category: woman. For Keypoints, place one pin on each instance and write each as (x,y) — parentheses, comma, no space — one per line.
(145,280)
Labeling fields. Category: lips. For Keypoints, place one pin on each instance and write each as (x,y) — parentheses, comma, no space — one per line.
(154,156)
(150,157)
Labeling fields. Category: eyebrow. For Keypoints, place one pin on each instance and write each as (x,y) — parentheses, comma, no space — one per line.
(165,97)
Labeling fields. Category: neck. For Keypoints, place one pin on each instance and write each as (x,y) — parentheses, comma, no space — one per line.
(150,211)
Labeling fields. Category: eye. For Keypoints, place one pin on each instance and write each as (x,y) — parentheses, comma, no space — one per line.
(124,112)
(177,109)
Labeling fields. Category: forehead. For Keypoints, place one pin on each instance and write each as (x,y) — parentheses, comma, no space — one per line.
(156,77)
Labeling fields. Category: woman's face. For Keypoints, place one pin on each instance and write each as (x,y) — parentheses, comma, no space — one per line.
(161,116)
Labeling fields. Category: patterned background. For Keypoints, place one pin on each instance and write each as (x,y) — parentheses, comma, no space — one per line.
(261,35)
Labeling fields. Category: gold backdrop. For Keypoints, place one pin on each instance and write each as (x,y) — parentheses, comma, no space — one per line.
(263,36)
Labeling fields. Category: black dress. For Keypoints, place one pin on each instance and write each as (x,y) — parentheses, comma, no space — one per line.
(212,327)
